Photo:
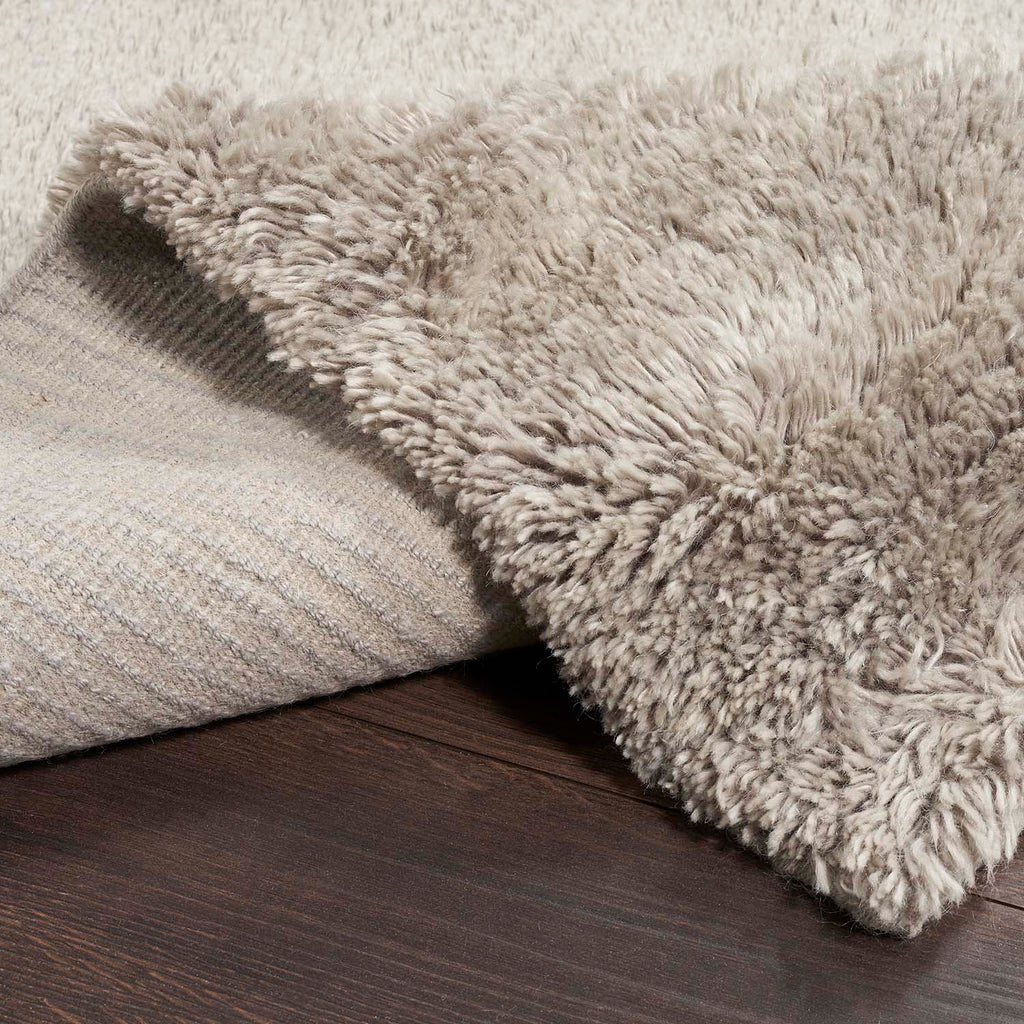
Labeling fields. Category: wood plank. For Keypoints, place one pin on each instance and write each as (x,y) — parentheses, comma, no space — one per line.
(301,866)
(513,707)
(510,706)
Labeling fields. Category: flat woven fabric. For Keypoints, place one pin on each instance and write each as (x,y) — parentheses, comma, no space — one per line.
(187,533)
(726,377)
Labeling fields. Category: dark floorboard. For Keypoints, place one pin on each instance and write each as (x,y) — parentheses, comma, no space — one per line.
(513,707)
(458,847)
(510,707)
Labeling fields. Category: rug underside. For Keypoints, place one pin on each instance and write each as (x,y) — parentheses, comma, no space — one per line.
(186,533)
(725,375)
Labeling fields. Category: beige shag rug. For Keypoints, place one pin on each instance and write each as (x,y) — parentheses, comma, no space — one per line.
(727,378)
(64,61)
(721,372)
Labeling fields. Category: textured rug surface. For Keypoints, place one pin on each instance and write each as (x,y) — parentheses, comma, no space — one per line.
(173,553)
(726,377)
(65,60)
(185,532)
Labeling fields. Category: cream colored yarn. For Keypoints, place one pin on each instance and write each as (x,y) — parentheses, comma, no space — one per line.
(65,60)
(727,378)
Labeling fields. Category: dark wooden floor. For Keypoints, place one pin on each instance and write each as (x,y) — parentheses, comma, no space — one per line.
(463,846)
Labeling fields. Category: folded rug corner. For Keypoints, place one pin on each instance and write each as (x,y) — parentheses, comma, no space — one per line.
(727,378)
(186,532)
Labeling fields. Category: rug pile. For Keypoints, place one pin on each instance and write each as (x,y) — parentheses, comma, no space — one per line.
(720,375)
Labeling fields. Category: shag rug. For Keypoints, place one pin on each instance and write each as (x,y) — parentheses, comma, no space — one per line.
(724,376)
(66,60)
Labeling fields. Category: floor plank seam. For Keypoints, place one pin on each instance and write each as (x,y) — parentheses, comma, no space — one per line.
(549,774)
(493,757)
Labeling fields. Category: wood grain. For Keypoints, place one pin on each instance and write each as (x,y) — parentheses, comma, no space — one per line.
(306,866)
(514,708)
